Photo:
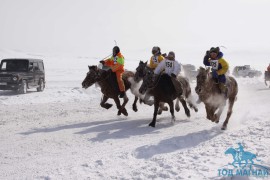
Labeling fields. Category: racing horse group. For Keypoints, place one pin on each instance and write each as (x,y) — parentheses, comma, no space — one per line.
(163,91)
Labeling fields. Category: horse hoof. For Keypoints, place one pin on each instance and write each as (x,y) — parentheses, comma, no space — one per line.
(135,109)
(177,109)
(119,113)
(159,112)
(223,128)
(196,109)
(152,125)
(188,113)
(173,120)
(124,111)
(108,106)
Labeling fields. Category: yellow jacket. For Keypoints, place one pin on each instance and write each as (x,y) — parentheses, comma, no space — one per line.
(220,65)
(155,60)
(224,66)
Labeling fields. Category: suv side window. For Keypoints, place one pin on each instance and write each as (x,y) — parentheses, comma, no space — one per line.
(40,65)
(35,65)
(4,66)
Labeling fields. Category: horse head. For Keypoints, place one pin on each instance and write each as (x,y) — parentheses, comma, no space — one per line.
(201,78)
(92,76)
(148,80)
(140,71)
(231,151)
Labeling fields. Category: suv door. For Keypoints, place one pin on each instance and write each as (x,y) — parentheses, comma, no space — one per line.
(37,73)
(31,75)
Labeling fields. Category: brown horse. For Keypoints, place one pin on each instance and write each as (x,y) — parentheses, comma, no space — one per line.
(106,79)
(163,91)
(186,94)
(141,72)
(210,94)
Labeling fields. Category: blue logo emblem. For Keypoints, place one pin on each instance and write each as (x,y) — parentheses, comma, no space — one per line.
(244,163)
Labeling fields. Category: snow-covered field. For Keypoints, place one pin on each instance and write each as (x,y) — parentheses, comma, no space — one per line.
(63,133)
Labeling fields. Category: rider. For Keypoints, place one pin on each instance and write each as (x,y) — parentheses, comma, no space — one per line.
(268,68)
(116,63)
(214,58)
(240,150)
(156,58)
(172,68)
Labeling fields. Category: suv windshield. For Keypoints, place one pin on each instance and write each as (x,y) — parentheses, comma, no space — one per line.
(14,65)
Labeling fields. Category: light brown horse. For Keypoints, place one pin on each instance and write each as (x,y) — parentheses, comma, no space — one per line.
(209,93)
(106,79)
(186,95)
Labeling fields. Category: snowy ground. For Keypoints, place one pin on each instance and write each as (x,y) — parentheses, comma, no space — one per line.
(63,133)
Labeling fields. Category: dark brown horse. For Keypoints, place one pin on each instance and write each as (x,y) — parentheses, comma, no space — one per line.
(163,91)
(140,73)
(106,79)
(209,93)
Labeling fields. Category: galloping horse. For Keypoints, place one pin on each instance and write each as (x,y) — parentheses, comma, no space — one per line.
(140,73)
(163,91)
(209,93)
(109,87)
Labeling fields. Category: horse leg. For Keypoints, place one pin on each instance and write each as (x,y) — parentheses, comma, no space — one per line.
(156,105)
(118,105)
(191,104)
(207,109)
(172,111)
(229,113)
(217,116)
(211,113)
(184,104)
(177,107)
(134,105)
(104,104)
(123,109)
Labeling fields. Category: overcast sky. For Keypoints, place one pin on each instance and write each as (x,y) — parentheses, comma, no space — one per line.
(90,27)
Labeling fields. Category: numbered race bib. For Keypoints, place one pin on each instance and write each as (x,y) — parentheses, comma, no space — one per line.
(169,64)
(115,60)
(214,64)
(155,59)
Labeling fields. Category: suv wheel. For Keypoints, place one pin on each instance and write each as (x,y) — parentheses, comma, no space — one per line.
(41,85)
(23,88)
(250,75)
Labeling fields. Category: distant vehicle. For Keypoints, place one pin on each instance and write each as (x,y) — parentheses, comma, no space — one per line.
(22,74)
(245,71)
(190,71)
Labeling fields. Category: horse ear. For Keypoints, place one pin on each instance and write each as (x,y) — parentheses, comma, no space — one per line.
(146,62)
(92,67)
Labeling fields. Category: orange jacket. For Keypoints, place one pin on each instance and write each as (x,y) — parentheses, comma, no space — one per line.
(116,63)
